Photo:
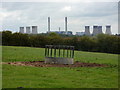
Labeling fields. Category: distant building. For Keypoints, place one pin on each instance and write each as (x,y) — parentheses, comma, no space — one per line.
(87,30)
(69,33)
(108,29)
(80,33)
(34,30)
(62,32)
(95,30)
(99,30)
(28,30)
(21,30)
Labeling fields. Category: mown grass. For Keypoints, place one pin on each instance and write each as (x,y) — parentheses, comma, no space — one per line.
(58,77)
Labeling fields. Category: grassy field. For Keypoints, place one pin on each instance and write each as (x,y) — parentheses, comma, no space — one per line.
(58,77)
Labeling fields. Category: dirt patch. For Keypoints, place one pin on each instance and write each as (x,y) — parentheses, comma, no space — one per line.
(42,64)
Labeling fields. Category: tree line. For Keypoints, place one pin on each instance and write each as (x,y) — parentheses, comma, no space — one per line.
(100,43)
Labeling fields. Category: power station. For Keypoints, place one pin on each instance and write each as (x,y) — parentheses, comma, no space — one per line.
(96,29)
(28,30)
(59,31)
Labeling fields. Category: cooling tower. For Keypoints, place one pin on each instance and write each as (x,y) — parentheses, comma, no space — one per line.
(95,30)
(21,30)
(87,30)
(100,30)
(66,25)
(108,29)
(28,30)
(48,24)
(34,30)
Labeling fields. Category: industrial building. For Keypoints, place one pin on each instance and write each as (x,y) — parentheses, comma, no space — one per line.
(21,30)
(62,32)
(58,31)
(80,33)
(96,29)
(28,30)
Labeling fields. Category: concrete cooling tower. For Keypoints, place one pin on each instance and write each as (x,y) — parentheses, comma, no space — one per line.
(28,30)
(99,30)
(21,30)
(87,30)
(95,30)
(34,30)
(108,29)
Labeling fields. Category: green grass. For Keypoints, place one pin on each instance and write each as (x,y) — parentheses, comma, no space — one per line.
(58,77)
(12,53)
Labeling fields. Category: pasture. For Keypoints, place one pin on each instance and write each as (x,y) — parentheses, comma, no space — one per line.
(58,77)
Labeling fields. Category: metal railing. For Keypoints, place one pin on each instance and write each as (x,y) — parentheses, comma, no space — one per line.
(59,51)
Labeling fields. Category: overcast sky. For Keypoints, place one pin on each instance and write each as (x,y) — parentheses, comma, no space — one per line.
(16,14)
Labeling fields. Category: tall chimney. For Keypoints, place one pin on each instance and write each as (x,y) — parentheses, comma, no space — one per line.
(66,25)
(59,29)
(48,24)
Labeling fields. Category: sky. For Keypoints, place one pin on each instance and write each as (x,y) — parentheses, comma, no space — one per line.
(16,14)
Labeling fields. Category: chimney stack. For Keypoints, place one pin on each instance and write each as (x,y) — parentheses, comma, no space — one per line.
(66,25)
(59,29)
(48,24)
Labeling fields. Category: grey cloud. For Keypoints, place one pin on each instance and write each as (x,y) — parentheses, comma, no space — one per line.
(94,9)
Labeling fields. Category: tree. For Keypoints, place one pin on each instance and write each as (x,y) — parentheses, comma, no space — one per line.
(6,37)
